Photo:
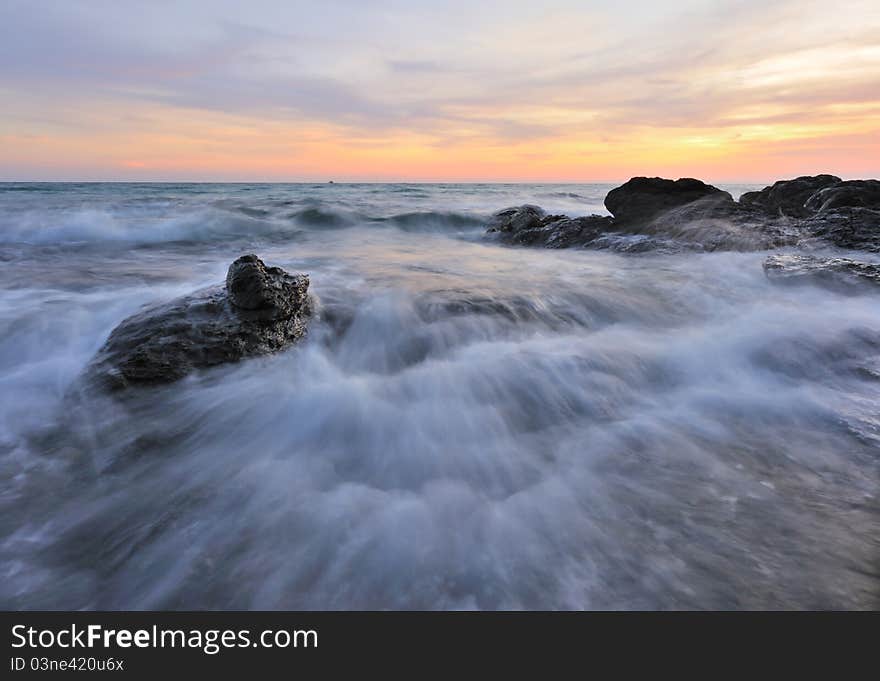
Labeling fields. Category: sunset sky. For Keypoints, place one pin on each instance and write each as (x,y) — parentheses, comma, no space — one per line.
(356,90)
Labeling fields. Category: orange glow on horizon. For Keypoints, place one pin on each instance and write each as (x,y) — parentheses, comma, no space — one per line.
(746,92)
(195,145)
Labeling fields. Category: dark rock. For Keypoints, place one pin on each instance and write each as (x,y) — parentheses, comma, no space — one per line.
(852,228)
(264,292)
(563,232)
(787,197)
(713,221)
(516,218)
(529,225)
(838,273)
(687,214)
(717,223)
(259,311)
(643,199)
(621,242)
(846,194)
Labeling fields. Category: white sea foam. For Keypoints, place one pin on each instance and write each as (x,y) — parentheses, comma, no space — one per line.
(467,426)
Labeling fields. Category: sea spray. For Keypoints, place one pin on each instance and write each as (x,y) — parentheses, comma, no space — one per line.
(466,425)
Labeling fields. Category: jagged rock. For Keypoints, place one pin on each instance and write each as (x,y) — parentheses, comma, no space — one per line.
(840,273)
(656,213)
(852,228)
(642,199)
(264,292)
(563,232)
(516,218)
(695,214)
(259,311)
(531,226)
(846,194)
(788,197)
(717,223)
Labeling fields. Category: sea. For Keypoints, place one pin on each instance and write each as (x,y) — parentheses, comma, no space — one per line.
(467,425)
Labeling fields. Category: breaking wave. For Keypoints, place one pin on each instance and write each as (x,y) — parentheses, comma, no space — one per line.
(466,425)
(208,224)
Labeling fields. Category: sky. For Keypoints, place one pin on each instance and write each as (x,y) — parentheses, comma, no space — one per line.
(394,90)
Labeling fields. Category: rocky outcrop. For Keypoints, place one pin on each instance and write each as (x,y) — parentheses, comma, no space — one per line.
(517,218)
(267,293)
(846,194)
(565,232)
(719,223)
(838,273)
(851,228)
(529,225)
(260,310)
(643,199)
(687,214)
(788,197)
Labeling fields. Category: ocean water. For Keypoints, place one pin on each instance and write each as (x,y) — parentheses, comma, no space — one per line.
(467,425)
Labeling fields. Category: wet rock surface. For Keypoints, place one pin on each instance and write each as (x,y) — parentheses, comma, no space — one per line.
(850,228)
(264,292)
(848,194)
(788,197)
(719,223)
(516,218)
(260,310)
(560,232)
(838,273)
(642,199)
(530,225)
(688,214)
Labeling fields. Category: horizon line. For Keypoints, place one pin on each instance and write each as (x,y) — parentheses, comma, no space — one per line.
(379,182)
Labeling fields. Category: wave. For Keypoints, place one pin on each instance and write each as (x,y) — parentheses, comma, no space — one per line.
(324,218)
(568,195)
(570,432)
(96,225)
(434,220)
(206,224)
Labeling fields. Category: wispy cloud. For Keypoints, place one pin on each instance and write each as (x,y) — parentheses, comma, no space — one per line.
(436,83)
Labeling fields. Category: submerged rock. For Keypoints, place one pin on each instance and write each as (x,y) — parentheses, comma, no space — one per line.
(260,310)
(642,199)
(788,197)
(840,273)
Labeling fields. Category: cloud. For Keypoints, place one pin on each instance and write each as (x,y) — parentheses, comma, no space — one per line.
(418,66)
(451,73)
